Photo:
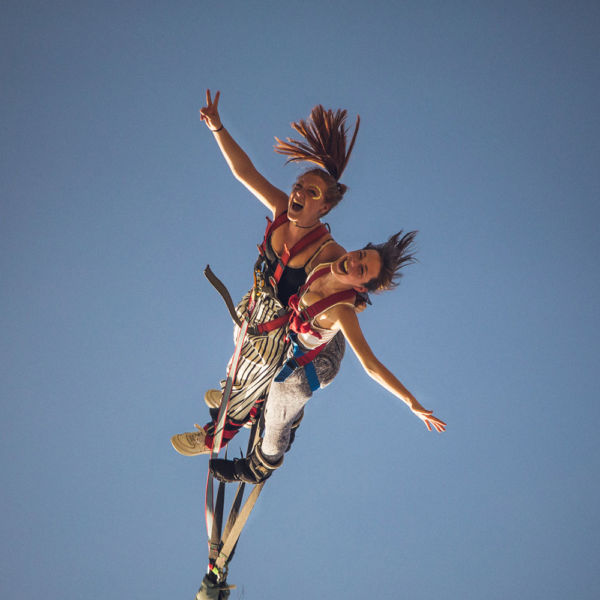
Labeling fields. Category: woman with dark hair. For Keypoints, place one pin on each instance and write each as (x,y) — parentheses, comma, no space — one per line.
(324,306)
(295,241)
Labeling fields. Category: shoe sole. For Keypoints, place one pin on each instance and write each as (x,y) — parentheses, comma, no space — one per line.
(185,451)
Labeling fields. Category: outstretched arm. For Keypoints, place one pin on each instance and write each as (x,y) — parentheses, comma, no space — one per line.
(347,321)
(240,164)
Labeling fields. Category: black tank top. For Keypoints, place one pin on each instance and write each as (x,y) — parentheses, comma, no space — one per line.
(291,278)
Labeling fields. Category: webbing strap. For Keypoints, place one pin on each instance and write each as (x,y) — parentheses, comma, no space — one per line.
(301,359)
(221,548)
(215,536)
(276,323)
(236,529)
(237,502)
(237,519)
(315,275)
(312,377)
(309,371)
(261,328)
(300,245)
(218,436)
(220,287)
(272,226)
(308,313)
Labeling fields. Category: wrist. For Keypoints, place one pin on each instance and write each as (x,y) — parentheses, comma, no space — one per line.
(217,129)
(413,404)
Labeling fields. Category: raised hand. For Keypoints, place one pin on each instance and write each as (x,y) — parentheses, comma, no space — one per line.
(210,113)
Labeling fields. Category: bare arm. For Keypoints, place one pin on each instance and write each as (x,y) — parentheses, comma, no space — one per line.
(347,321)
(240,164)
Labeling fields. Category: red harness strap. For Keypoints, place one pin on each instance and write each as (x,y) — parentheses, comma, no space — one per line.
(300,320)
(309,356)
(271,227)
(274,324)
(315,275)
(307,240)
(300,245)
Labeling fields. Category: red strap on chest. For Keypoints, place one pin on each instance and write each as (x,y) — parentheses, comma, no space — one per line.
(300,320)
(300,245)
(273,225)
(313,277)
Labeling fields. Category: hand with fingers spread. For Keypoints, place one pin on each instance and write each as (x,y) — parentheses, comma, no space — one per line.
(210,113)
(430,421)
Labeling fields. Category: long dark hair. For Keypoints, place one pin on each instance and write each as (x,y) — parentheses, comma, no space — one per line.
(325,135)
(396,253)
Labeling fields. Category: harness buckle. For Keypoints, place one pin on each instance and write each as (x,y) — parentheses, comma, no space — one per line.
(292,363)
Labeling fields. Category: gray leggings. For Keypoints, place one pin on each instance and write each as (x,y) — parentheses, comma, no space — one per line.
(286,400)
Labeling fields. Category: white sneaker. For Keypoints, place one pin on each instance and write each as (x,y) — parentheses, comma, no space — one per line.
(191,443)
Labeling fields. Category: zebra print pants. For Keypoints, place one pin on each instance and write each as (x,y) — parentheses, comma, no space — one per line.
(260,358)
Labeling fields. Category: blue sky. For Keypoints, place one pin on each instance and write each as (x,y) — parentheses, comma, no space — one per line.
(480,128)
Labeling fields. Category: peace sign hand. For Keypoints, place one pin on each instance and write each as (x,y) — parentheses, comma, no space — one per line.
(210,113)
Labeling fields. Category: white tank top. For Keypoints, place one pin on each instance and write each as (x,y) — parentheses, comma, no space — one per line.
(308,340)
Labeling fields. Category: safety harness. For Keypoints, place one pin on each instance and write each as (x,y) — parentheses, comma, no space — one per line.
(221,544)
(262,266)
(300,321)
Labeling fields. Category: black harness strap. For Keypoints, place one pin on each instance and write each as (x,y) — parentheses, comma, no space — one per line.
(222,544)
(261,328)
(220,287)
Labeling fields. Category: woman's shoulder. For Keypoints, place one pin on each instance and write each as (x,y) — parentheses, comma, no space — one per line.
(329,251)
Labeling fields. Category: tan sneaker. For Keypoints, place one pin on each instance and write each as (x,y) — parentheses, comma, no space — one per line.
(213,398)
(191,443)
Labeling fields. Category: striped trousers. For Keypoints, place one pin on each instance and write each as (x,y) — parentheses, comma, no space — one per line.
(260,359)
(259,362)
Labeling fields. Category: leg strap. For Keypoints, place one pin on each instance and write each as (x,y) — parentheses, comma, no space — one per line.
(299,359)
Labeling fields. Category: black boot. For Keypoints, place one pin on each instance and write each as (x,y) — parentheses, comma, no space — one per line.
(255,468)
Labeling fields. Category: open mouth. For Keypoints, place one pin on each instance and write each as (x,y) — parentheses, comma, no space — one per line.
(344,266)
(297,206)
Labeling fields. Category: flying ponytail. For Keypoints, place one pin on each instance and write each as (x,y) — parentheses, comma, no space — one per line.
(325,135)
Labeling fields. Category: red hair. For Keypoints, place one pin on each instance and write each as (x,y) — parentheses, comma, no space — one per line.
(325,135)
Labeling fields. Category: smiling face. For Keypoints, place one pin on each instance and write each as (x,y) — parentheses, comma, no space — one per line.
(357,268)
(306,204)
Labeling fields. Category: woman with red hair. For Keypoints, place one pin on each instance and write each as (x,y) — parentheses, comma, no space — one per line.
(295,241)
